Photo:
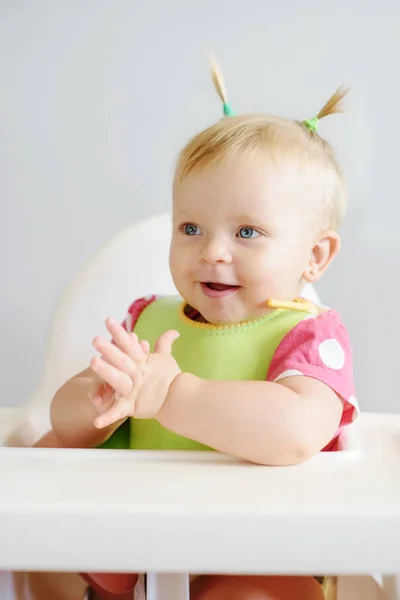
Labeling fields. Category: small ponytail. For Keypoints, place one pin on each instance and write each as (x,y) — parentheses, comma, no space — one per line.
(219,86)
(332,106)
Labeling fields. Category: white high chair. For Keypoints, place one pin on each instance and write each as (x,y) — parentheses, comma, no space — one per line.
(337,505)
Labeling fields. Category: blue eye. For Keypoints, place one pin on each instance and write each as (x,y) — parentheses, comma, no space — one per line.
(248,232)
(190,229)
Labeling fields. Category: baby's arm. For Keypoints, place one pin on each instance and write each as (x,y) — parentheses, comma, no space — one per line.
(290,417)
(73,413)
(261,421)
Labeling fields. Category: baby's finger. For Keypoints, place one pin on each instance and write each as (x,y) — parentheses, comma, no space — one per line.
(145,347)
(164,343)
(121,409)
(127,342)
(119,381)
(137,352)
(114,356)
(103,396)
(102,393)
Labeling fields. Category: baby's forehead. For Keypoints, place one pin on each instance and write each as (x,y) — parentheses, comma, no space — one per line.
(255,185)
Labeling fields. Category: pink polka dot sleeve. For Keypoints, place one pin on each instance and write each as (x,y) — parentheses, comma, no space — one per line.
(134,312)
(319,347)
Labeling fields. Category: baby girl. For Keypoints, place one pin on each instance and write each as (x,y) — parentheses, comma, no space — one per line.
(238,362)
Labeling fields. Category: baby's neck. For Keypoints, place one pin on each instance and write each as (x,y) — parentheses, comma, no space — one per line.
(298,303)
(194,314)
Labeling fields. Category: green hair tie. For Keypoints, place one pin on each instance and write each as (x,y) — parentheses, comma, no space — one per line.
(312,124)
(228,112)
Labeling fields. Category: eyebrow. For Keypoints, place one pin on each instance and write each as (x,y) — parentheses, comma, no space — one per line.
(252,220)
(245,217)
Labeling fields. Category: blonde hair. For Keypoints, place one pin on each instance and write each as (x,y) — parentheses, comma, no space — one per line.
(235,137)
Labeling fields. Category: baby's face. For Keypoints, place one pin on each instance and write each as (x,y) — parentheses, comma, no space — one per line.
(240,237)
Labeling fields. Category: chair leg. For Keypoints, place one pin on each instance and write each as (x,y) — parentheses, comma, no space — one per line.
(167,586)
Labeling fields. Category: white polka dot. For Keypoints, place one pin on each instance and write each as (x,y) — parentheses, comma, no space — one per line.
(288,373)
(128,322)
(353,401)
(332,354)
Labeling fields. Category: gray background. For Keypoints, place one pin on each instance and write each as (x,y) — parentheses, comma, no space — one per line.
(96,99)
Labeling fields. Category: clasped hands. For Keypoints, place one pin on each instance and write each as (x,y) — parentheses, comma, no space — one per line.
(134,382)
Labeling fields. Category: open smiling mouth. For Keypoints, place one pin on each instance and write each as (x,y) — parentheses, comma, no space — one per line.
(218,290)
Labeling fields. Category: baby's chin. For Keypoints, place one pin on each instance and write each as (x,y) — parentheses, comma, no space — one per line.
(230,311)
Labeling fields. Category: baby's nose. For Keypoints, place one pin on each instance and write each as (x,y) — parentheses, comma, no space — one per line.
(214,251)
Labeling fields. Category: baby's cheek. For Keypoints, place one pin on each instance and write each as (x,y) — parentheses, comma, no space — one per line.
(270,282)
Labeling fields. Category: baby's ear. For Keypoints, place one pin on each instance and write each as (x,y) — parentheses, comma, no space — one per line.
(322,254)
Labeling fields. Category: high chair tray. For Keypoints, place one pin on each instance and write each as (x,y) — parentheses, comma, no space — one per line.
(106,510)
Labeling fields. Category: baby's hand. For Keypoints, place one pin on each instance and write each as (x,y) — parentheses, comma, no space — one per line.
(136,382)
(104,395)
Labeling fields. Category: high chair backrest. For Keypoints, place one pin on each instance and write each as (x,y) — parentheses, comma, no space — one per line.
(132,264)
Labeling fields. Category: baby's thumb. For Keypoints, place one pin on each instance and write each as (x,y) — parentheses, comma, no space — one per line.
(164,343)
(145,347)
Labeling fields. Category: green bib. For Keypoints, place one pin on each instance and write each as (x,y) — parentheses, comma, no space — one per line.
(231,352)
